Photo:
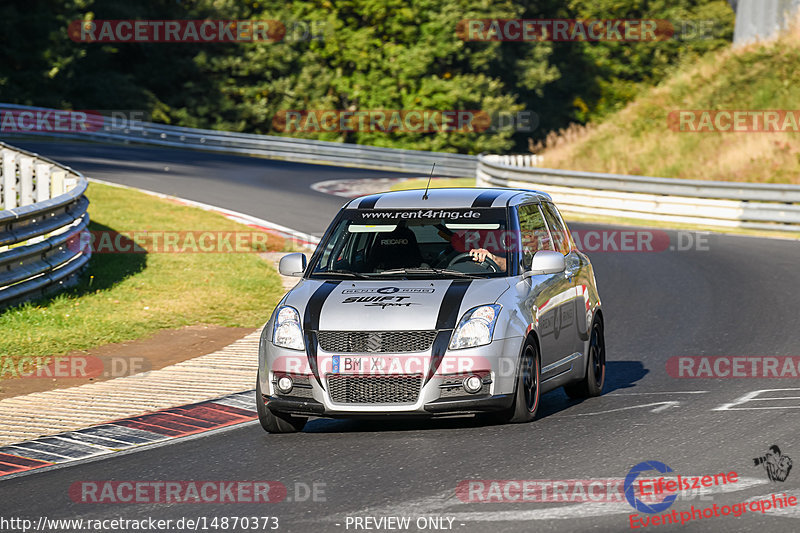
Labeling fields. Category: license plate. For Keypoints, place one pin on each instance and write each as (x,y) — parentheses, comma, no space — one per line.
(342,364)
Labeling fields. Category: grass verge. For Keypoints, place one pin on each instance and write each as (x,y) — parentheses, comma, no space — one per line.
(127,296)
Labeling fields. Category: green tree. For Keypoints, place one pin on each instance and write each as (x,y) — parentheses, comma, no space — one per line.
(370,54)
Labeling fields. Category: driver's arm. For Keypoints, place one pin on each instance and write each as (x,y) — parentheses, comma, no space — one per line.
(480,254)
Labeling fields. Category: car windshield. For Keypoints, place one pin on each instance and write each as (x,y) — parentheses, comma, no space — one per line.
(378,244)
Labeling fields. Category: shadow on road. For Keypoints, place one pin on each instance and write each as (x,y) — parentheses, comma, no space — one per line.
(623,374)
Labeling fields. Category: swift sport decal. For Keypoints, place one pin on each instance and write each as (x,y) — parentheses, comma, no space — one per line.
(380,301)
(384,297)
(381,305)
(389,290)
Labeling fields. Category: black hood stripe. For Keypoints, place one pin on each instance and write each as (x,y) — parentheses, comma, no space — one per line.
(311,323)
(315,303)
(451,303)
(486,199)
(369,202)
(445,322)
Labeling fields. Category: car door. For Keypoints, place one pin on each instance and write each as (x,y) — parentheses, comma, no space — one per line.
(572,318)
(550,296)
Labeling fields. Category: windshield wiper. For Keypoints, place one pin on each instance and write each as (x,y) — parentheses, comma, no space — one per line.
(347,273)
(438,271)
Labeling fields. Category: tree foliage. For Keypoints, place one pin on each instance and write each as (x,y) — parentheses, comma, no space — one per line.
(362,55)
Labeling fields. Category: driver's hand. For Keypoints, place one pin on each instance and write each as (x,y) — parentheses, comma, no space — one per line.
(479,255)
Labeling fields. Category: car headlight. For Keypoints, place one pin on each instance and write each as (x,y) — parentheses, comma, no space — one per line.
(286,331)
(476,327)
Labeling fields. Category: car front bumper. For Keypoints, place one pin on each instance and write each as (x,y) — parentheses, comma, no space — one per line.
(441,407)
(496,363)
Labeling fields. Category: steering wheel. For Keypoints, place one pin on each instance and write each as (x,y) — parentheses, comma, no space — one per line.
(465,255)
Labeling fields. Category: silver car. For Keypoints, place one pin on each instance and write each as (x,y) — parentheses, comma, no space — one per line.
(415,303)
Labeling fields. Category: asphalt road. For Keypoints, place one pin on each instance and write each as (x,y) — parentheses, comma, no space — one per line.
(277,191)
(729,296)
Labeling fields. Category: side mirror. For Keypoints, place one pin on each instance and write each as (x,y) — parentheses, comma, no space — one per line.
(546,262)
(292,265)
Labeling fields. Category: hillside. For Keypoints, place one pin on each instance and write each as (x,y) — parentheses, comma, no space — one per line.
(644,139)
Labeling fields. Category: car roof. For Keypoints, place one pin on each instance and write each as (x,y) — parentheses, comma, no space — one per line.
(454,198)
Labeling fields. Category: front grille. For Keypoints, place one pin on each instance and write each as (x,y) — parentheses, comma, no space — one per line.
(374,389)
(376,341)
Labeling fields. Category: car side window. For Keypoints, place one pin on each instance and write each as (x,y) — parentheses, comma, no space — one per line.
(557,228)
(326,255)
(533,232)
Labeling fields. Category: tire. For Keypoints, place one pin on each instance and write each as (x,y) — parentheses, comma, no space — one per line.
(592,384)
(527,390)
(276,422)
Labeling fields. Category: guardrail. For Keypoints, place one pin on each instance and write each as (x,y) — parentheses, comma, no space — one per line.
(268,146)
(43,212)
(710,203)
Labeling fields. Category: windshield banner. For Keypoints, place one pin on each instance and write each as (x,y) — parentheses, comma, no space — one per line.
(446,214)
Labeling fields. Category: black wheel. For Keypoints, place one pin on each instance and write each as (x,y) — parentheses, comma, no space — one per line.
(276,422)
(526,395)
(592,384)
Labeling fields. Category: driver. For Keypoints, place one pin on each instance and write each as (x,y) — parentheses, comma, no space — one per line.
(479,255)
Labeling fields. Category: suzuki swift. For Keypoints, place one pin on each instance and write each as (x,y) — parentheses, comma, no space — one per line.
(447,302)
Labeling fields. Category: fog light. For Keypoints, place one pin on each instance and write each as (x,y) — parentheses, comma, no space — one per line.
(285,385)
(473,384)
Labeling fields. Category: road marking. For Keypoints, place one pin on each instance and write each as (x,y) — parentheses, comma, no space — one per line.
(652,393)
(107,439)
(210,376)
(447,503)
(783,512)
(352,188)
(580,510)
(753,396)
(127,451)
(587,509)
(662,406)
